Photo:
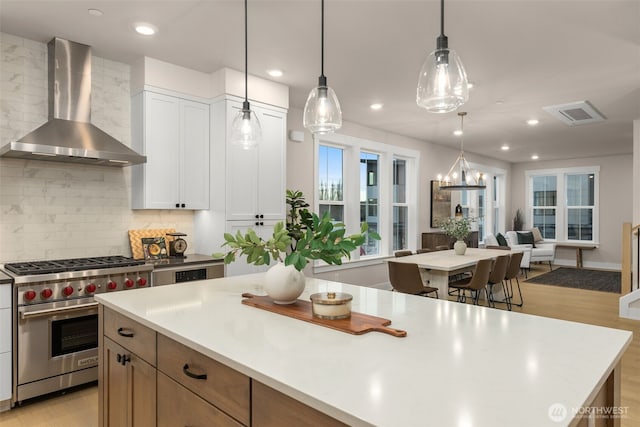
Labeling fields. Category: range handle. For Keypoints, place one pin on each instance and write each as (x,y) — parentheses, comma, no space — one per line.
(57,310)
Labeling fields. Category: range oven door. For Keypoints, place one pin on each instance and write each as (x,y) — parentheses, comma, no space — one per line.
(56,338)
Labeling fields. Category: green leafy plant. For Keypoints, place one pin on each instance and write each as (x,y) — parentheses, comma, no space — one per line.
(457,227)
(307,236)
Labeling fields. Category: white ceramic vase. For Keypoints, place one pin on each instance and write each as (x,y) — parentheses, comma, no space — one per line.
(284,284)
(460,247)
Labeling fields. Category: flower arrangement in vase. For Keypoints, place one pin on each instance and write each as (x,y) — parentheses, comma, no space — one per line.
(306,237)
(459,228)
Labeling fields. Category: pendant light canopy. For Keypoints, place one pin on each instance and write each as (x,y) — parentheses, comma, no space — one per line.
(322,112)
(442,83)
(245,128)
(461,176)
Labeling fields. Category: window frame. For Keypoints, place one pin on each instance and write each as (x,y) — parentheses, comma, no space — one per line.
(352,147)
(562,203)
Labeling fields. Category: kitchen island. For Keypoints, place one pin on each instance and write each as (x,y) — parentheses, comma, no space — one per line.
(459,365)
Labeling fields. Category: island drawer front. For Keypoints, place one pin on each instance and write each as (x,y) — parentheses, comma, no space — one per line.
(179,406)
(131,335)
(225,388)
(270,408)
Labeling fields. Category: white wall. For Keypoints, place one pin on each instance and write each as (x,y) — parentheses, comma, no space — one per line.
(52,210)
(616,188)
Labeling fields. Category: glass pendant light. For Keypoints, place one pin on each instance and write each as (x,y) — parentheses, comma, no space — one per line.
(442,83)
(245,128)
(461,176)
(322,112)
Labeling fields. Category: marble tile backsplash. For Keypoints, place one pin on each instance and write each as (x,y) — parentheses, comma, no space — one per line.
(51,210)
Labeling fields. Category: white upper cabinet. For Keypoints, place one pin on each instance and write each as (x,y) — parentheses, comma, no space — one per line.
(173,133)
(256,177)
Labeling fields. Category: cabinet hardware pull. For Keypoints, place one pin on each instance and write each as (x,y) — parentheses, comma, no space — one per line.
(125,334)
(261,216)
(257,223)
(122,359)
(261,223)
(188,373)
(177,205)
(184,206)
(257,216)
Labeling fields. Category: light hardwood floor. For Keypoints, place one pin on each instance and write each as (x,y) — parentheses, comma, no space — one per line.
(80,408)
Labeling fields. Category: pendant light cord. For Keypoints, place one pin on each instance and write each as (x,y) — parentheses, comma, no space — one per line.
(246,61)
(442,17)
(322,40)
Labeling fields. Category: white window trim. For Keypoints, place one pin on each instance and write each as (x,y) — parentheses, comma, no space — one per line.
(561,202)
(352,147)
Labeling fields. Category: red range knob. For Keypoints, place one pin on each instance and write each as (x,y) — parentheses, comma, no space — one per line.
(67,291)
(91,288)
(29,295)
(46,293)
(129,283)
(111,285)
(142,281)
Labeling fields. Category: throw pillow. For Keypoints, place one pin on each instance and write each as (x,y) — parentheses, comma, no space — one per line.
(501,240)
(537,235)
(526,238)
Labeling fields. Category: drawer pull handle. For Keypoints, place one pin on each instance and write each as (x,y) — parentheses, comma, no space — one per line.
(122,333)
(188,373)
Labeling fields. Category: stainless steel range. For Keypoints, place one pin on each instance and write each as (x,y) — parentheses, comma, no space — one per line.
(55,329)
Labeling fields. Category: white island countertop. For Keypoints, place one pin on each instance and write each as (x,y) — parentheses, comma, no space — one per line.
(459,365)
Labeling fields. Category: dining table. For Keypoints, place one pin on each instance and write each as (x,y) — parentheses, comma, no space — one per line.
(436,267)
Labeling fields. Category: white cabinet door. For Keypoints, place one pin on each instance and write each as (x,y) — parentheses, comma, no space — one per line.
(256,178)
(162,148)
(271,165)
(174,135)
(263,229)
(194,159)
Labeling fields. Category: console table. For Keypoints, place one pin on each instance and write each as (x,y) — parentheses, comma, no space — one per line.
(578,247)
(435,239)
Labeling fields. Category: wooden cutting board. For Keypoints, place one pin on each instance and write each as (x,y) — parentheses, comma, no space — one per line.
(135,239)
(357,324)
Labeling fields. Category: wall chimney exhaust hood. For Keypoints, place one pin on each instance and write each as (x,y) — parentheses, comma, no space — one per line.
(68,135)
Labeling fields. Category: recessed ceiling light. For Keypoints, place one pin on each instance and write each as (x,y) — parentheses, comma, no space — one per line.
(534,157)
(504,147)
(145,28)
(533,122)
(275,73)
(375,106)
(95,12)
(457,132)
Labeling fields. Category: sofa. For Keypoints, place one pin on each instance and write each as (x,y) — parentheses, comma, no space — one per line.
(541,251)
(490,241)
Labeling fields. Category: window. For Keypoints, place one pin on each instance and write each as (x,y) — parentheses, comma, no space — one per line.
(564,203)
(360,181)
(369,196)
(400,206)
(545,205)
(330,191)
(580,206)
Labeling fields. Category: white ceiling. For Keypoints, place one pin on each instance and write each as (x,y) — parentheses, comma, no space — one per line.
(521,55)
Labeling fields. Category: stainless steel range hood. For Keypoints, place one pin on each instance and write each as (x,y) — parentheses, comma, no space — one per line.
(69,136)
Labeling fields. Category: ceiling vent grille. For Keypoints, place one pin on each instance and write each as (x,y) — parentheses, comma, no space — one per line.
(575,113)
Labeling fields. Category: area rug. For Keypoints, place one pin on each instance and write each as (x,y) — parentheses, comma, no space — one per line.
(595,280)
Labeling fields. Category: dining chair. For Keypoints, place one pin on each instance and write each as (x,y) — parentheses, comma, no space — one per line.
(476,283)
(423,250)
(402,253)
(512,273)
(497,276)
(405,277)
